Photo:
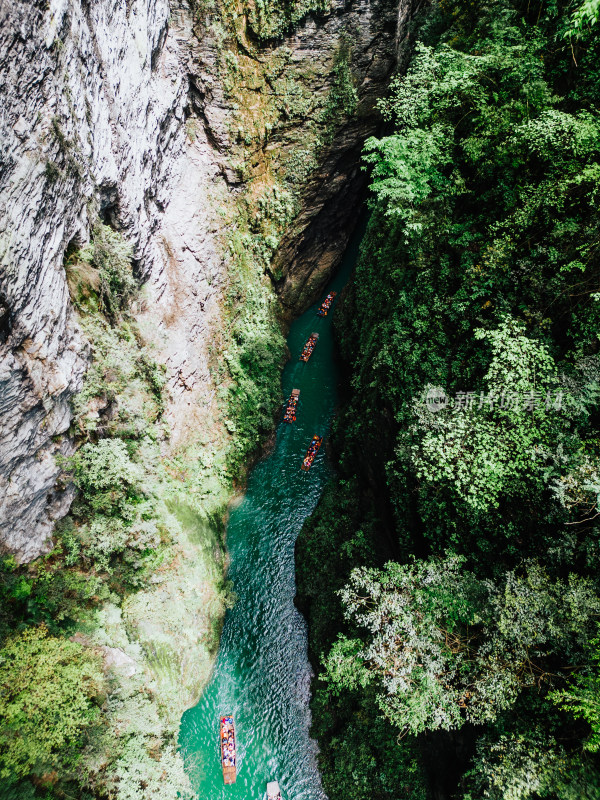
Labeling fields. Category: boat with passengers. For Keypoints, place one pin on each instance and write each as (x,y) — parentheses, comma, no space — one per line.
(311,453)
(326,304)
(273,792)
(308,348)
(290,411)
(228,757)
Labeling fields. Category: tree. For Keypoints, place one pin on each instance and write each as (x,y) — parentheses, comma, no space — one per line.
(483,447)
(445,648)
(582,697)
(50,691)
(585,15)
(527,765)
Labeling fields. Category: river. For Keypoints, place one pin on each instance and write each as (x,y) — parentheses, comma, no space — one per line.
(262,674)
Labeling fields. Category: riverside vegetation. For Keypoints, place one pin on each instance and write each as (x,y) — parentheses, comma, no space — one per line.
(108,638)
(450,573)
(113,633)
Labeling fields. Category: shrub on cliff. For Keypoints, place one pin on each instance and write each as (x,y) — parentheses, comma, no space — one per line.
(102,269)
(109,480)
(111,255)
(101,273)
(116,515)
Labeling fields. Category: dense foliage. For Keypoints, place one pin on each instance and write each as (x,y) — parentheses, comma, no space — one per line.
(467,596)
(49,692)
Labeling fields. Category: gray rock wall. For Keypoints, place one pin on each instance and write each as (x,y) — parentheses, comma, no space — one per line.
(90,119)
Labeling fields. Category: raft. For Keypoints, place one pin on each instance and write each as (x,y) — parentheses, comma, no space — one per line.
(326,304)
(308,348)
(290,411)
(228,759)
(273,792)
(311,453)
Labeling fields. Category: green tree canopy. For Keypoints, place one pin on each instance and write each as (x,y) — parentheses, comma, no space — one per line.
(446,648)
(50,689)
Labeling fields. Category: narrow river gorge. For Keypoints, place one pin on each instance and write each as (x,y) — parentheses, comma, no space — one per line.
(262,674)
(416,616)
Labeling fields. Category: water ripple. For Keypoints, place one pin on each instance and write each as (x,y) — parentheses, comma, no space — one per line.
(262,674)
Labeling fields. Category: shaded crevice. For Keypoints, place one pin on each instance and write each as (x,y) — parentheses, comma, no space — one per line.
(5,319)
(312,249)
(108,204)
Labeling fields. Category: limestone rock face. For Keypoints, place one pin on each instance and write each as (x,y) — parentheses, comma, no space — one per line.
(119,108)
(91,120)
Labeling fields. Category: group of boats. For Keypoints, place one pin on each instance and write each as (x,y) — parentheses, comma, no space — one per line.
(312,340)
(228,746)
(228,757)
(289,415)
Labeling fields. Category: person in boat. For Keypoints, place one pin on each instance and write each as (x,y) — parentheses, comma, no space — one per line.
(326,304)
(291,407)
(309,347)
(312,452)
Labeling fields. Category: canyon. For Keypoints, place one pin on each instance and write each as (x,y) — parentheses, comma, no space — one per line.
(220,147)
(413,613)
(158,119)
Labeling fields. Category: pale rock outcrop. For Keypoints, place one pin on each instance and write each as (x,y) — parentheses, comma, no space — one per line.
(118,660)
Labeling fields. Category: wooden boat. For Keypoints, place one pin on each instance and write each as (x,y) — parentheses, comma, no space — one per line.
(228,756)
(290,411)
(311,453)
(326,304)
(273,792)
(308,348)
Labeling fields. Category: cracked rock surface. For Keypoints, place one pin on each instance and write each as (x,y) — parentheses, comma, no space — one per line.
(92,117)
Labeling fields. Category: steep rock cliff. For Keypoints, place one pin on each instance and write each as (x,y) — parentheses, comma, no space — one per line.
(91,123)
(379,35)
(165,122)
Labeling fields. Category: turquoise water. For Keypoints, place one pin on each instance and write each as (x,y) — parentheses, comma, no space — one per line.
(262,675)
